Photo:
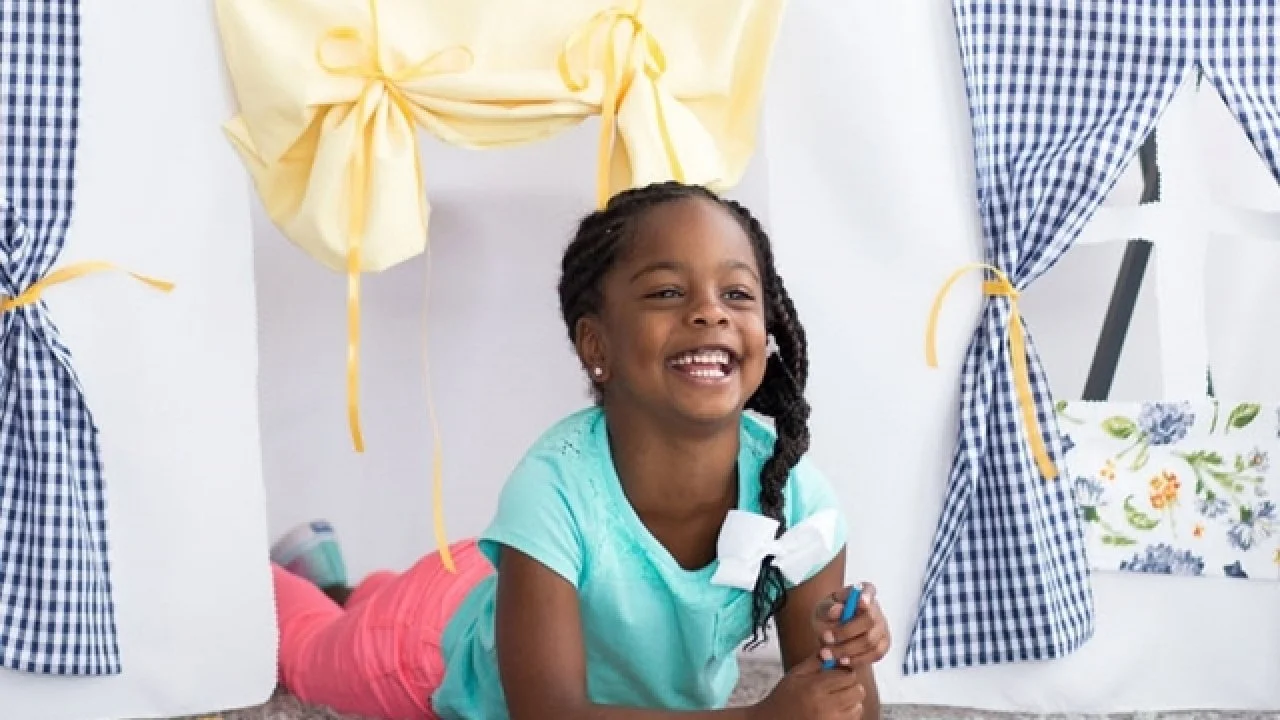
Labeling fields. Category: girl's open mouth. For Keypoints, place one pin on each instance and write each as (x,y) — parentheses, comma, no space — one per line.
(705,364)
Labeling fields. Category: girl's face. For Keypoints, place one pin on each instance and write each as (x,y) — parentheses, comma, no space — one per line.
(682,330)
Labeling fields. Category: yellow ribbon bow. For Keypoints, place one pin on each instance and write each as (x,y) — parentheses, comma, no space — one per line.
(33,293)
(1000,287)
(643,52)
(380,84)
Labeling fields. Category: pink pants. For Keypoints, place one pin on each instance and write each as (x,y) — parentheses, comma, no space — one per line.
(379,657)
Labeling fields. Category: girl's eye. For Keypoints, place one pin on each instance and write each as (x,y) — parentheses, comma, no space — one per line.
(665,294)
(738,294)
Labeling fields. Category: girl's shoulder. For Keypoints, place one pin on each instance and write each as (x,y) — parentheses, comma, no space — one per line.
(758,436)
(546,509)
(565,459)
(572,440)
(758,439)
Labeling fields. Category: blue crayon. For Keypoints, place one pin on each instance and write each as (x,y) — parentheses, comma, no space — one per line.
(850,608)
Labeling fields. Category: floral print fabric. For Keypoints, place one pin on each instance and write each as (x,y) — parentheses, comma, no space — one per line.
(1177,488)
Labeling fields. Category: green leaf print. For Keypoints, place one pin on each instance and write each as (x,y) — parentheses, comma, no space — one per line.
(1242,415)
(1201,458)
(1202,489)
(1120,428)
(1090,513)
(1118,540)
(1136,518)
(1140,460)
(1228,481)
(1060,407)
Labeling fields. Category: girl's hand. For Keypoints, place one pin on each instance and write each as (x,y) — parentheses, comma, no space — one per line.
(810,692)
(865,640)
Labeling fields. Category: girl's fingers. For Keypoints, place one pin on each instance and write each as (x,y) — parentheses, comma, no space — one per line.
(835,611)
(862,651)
(866,658)
(858,626)
(877,637)
(868,593)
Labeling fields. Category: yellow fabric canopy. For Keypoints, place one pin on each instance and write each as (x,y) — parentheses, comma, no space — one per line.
(326,87)
(331,93)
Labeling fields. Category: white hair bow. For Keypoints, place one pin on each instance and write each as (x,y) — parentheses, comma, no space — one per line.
(748,538)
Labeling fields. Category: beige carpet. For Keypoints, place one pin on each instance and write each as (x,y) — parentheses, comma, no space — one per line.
(758,676)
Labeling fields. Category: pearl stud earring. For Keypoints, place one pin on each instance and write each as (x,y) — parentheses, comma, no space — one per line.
(597,371)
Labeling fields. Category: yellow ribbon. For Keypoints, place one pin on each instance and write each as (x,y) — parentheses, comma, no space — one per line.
(643,51)
(33,293)
(1000,287)
(372,70)
(437,457)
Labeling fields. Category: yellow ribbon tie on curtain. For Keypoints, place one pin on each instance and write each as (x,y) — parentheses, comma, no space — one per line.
(375,75)
(1000,287)
(32,294)
(643,51)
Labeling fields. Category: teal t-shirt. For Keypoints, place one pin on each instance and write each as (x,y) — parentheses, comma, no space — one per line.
(656,635)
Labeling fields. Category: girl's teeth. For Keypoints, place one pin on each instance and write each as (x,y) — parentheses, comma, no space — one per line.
(711,358)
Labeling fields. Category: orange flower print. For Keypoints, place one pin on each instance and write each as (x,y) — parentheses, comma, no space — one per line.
(1164,490)
(1108,471)
(1198,531)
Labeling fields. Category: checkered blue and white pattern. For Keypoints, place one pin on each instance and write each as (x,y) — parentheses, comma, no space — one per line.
(56,612)
(1061,96)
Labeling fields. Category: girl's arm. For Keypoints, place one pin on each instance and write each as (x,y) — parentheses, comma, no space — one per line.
(540,650)
(798,627)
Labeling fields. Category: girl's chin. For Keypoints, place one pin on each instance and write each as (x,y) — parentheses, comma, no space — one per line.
(708,411)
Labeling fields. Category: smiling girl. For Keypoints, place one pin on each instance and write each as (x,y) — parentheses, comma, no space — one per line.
(640,542)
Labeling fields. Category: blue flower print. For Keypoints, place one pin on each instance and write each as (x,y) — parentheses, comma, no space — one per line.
(1235,570)
(1212,507)
(1088,492)
(1067,444)
(1162,559)
(1257,522)
(1258,461)
(1166,423)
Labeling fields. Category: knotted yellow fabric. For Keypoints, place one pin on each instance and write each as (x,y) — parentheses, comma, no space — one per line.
(331,93)
(379,95)
(643,53)
(35,291)
(1000,287)
(680,81)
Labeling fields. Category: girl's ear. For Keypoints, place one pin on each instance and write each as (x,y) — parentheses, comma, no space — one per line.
(592,348)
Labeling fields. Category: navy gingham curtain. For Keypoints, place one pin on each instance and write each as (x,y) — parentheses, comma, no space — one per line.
(1061,93)
(56,612)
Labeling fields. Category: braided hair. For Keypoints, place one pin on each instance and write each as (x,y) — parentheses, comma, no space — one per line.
(596,247)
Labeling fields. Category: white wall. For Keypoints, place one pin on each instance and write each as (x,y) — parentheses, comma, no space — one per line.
(867,173)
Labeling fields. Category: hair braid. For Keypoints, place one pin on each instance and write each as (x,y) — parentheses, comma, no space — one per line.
(781,397)
(593,251)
